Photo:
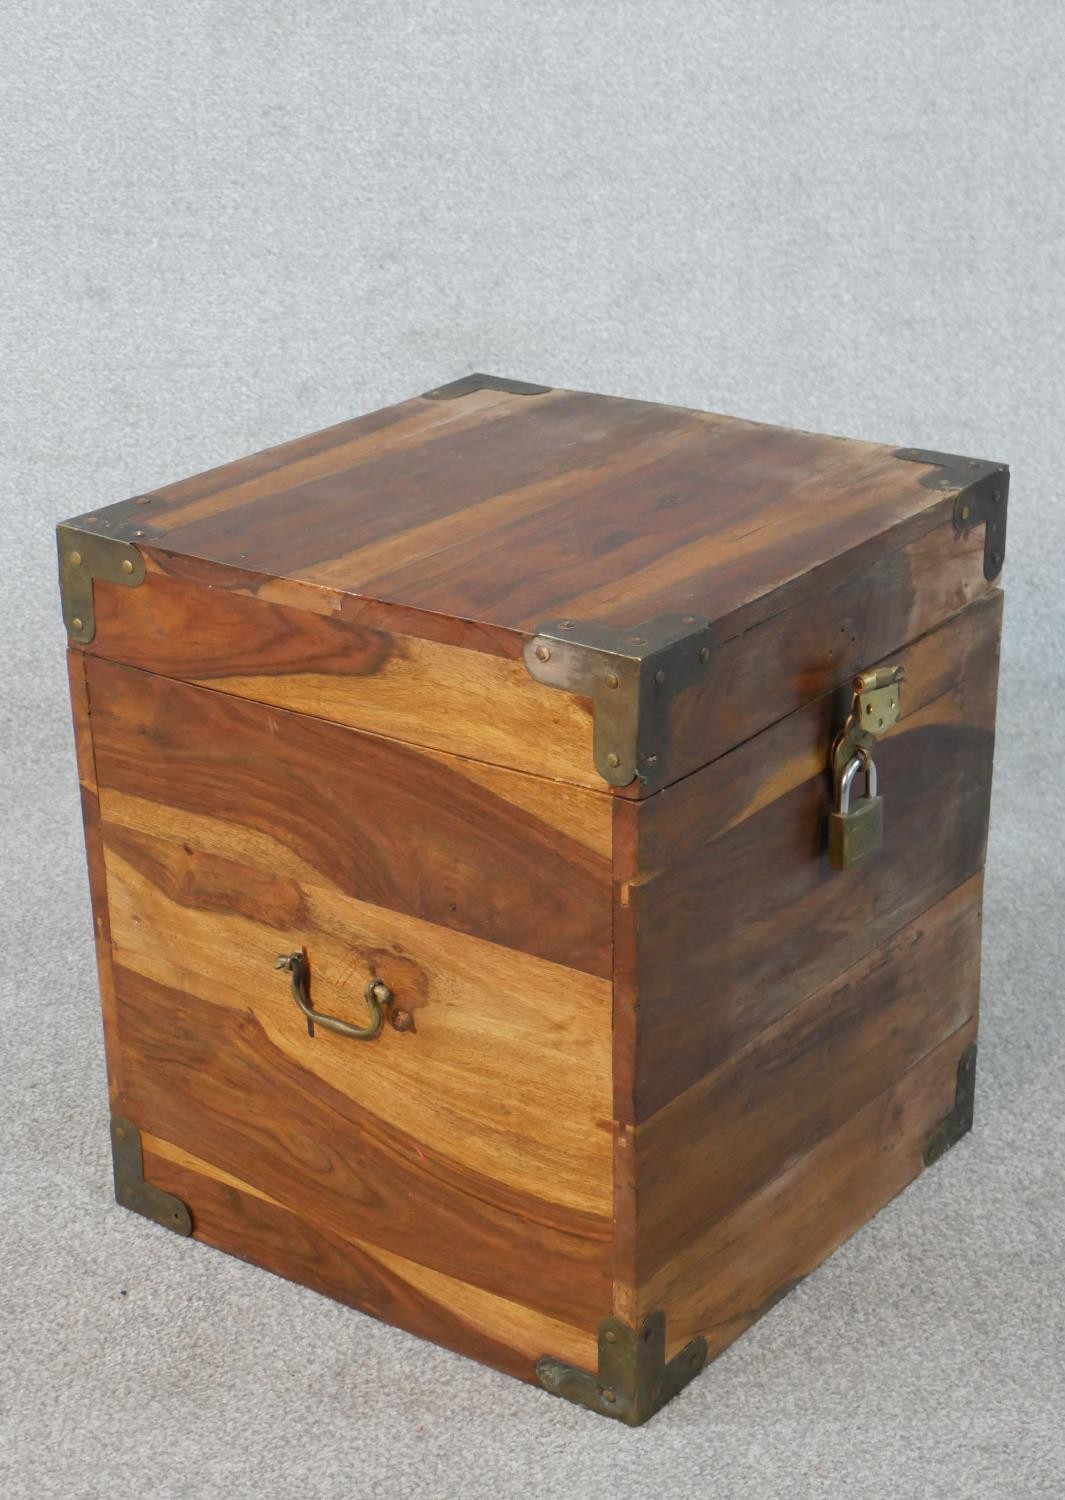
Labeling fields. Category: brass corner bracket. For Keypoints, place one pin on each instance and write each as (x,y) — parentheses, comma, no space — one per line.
(633,1380)
(470,383)
(959,1122)
(85,554)
(983,495)
(132,1191)
(631,676)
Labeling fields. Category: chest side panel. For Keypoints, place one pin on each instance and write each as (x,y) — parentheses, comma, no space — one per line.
(454,1176)
(739,913)
(798,1030)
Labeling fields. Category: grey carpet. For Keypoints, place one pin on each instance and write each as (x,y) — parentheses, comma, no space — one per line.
(225,224)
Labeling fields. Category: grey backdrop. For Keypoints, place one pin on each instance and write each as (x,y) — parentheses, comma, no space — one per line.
(226,224)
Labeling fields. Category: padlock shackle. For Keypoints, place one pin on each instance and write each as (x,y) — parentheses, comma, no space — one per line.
(846,781)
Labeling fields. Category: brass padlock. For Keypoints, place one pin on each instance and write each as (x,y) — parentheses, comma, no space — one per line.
(854,833)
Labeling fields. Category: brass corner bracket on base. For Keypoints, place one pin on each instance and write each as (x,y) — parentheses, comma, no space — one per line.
(631,675)
(85,554)
(633,1380)
(470,383)
(983,495)
(959,1122)
(132,1191)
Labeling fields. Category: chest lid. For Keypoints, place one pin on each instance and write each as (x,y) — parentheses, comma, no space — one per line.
(604,591)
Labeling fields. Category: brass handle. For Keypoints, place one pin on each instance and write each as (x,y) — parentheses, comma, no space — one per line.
(377,993)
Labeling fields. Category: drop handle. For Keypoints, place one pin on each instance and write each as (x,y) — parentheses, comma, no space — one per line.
(377,993)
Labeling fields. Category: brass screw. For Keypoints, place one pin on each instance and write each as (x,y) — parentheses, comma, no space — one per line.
(660,677)
(127,565)
(610,1336)
(120,1132)
(613,760)
(75,558)
(608,1394)
(77,624)
(965,512)
(543,653)
(611,680)
(704,653)
(402,1020)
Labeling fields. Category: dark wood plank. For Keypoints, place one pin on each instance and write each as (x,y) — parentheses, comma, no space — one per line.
(738,913)
(734,1131)
(380,821)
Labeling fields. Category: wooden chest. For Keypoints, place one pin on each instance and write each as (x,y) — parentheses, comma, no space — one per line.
(458,787)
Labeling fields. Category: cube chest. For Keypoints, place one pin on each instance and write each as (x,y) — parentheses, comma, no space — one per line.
(457,790)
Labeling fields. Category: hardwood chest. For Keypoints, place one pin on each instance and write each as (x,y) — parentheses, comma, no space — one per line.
(499,927)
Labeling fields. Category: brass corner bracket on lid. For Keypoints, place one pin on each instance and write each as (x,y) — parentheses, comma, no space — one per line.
(86,554)
(633,1380)
(959,1122)
(131,1190)
(631,675)
(470,383)
(983,497)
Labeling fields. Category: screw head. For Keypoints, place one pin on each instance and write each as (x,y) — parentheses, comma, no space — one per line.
(610,1336)
(543,653)
(120,1132)
(402,1020)
(77,623)
(611,679)
(965,512)
(660,677)
(704,653)
(127,565)
(996,496)
(608,1394)
(613,759)
(75,558)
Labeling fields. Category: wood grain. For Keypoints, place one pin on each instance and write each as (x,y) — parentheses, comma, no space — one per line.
(381,822)
(210,1079)
(94,854)
(243,1221)
(448,697)
(723,1281)
(507,1067)
(749,1120)
(739,915)
(428,541)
